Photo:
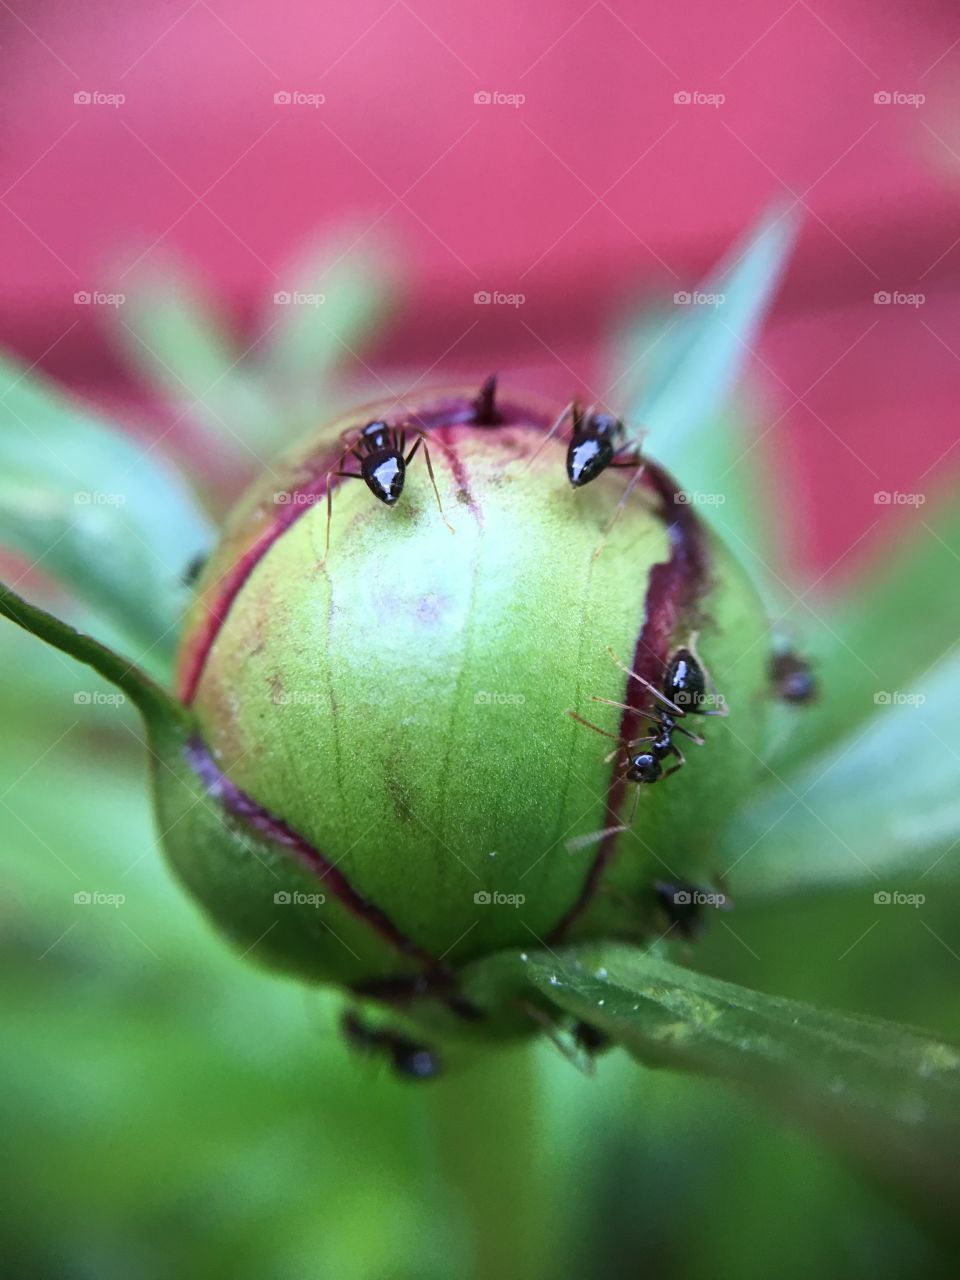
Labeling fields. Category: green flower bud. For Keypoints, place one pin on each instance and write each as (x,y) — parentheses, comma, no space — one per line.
(398,790)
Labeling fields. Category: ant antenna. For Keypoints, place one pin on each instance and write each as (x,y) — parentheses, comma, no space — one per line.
(618,509)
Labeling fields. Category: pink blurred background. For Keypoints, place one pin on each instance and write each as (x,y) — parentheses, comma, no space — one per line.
(598,188)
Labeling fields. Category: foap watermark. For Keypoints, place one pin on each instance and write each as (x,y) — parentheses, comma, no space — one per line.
(697,499)
(97,898)
(697,298)
(696,98)
(295,699)
(297,298)
(97,98)
(497,298)
(488,698)
(297,498)
(94,498)
(497,98)
(894,898)
(94,698)
(894,498)
(298,98)
(697,898)
(493,898)
(98,298)
(897,298)
(294,898)
(894,698)
(699,701)
(897,98)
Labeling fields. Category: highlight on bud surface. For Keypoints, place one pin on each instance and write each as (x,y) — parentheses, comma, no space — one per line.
(383,721)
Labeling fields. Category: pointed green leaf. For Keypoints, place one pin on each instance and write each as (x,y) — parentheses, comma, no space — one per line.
(249,399)
(182,346)
(886,1093)
(687,376)
(880,807)
(98,512)
(883,634)
(327,304)
(675,376)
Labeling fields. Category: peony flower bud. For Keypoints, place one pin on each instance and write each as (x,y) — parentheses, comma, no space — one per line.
(379,677)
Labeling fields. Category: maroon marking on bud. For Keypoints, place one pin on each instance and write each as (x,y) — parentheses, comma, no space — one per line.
(446,411)
(228,587)
(674,591)
(485,410)
(246,810)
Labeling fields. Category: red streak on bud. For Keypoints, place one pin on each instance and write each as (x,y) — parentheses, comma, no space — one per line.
(674,591)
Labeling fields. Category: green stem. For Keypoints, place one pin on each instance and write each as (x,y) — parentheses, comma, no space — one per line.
(153,702)
(488,1123)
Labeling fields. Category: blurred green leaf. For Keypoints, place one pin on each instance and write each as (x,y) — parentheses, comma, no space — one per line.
(882,802)
(329,302)
(886,1093)
(882,634)
(678,375)
(98,512)
(182,346)
(248,399)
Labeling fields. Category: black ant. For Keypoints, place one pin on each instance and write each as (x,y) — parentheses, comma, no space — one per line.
(596,440)
(380,451)
(792,679)
(684,693)
(411,1060)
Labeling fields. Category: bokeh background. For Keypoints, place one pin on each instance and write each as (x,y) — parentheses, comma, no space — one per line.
(170,1111)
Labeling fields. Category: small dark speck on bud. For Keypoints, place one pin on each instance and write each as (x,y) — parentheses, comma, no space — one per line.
(792,678)
(194,569)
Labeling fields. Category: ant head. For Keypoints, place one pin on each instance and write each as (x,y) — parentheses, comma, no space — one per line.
(644,767)
(384,473)
(685,683)
(586,458)
(376,435)
(594,442)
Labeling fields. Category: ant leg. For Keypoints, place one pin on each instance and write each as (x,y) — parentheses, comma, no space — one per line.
(615,736)
(422,440)
(584,842)
(688,733)
(654,716)
(575,411)
(595,697)
(632,742)
(596,728)
(671,706)
(582,1061)
(346,475)
(681,759)
(618,509)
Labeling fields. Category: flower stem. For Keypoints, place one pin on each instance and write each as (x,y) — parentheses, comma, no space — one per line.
(488,1130)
